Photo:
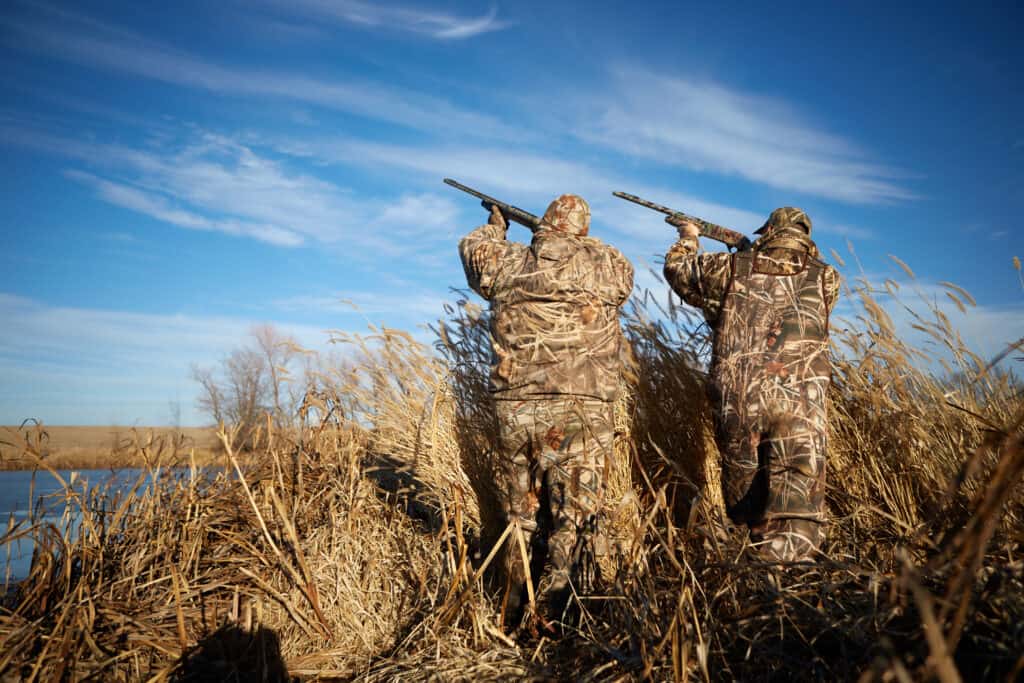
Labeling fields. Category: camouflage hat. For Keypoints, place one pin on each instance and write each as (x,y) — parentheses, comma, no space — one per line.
(569,213)
(785,217)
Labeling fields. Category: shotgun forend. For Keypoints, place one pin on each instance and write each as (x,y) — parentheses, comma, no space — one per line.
(730,238)
(511,213)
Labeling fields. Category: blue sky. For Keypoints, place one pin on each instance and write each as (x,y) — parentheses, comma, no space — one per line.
(176,174)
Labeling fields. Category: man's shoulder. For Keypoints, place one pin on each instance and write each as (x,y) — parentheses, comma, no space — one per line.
(597,246)
(592,243)
(716,267)
(826,268)
(715,259)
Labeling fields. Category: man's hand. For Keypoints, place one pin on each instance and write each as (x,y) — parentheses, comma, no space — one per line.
(497,219)
(688,229)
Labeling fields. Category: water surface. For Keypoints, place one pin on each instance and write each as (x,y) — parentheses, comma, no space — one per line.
(15,491)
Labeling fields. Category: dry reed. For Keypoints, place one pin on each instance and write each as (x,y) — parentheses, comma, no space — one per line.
(98,448)
(355,548)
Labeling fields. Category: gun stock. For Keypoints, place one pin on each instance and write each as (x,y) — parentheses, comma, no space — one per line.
(511,213)
(731,238)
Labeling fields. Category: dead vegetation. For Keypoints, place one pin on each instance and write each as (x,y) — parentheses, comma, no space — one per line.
(100,448)
(351,548)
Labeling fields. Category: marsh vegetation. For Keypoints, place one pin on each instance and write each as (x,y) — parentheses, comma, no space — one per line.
(353,542)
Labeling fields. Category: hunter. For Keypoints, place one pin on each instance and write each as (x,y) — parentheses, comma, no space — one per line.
(768,309)
(556,368)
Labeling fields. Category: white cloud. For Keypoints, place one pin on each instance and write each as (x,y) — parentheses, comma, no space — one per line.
(212,182)
(376,15)
(71,365)
(843,230)
(705,126)
(530,181)
(422,214)
(159,208)
(494,169)
(98,45)
(101,336)
(123,237)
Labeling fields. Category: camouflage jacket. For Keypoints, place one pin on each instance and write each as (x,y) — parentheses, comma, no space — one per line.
(768,309)
(703,279)
(554,311)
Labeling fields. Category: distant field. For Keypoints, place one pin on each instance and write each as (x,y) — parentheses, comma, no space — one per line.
(72,447)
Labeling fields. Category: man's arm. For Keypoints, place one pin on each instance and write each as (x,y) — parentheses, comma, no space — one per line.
(830,285)
(700,279)
(621,276)
(483,251)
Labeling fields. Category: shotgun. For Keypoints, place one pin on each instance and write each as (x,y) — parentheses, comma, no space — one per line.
(731,238)
(511,213)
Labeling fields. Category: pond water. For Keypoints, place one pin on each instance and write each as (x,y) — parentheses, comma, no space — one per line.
(15,489)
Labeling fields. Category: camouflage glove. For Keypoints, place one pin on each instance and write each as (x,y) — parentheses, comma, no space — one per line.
(497,219)
(688,230)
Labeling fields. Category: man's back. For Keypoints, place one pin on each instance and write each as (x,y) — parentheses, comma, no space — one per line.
(704,280)
(768,309)
(554,311)
(771,339)
(557,354)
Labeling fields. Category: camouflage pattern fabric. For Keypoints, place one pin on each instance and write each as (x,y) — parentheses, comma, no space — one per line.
(769,378)
(555,373)
(554,310)
(786,217)
(569,214)
(553,455)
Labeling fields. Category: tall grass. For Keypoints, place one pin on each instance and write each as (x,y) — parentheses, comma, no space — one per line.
(96,448)
(357,547)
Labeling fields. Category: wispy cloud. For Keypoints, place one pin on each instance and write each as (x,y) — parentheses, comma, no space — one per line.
(161,209)
(79,364)
(280,30)
(705,126)
(213,182)
(417,20)
(530,180)
(844,230)
(80,40)
(525,176)
(122,237)
(520,172)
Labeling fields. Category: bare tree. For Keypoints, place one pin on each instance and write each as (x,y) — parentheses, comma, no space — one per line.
(211,400)
(249,383)
(278,351)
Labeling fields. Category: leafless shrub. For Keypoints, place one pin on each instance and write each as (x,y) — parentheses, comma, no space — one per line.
(250,385)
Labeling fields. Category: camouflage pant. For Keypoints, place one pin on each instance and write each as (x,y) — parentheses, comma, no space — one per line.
(773,474)
(553,455)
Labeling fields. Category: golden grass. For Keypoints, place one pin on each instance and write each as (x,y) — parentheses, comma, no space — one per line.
(356,547)
(106,447)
